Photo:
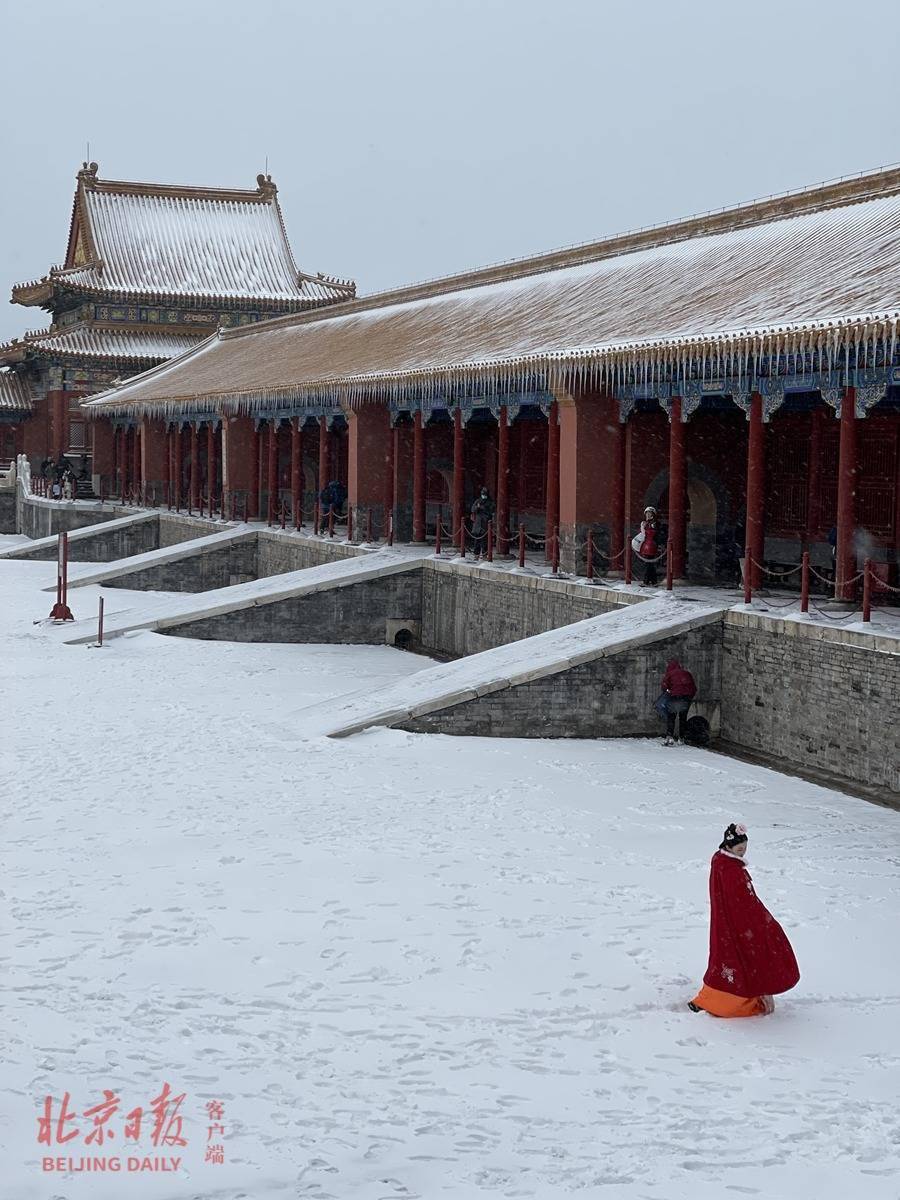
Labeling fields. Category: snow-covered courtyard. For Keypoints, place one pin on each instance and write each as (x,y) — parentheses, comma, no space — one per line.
(413,966)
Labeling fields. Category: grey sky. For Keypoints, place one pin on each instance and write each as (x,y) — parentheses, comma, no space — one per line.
(413,138)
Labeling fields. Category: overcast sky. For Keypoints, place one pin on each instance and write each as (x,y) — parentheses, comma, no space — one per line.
(415,138)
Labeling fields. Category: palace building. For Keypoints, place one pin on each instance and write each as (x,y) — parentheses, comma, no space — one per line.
(739,371)
(150,270)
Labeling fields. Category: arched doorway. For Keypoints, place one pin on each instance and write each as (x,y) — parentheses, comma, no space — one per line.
(709,538)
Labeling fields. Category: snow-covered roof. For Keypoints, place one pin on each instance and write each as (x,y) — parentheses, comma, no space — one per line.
(152,240)
(15,394)
(784,273)
(96,341)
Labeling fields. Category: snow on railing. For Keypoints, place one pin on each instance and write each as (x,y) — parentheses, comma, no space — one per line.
(8,478)
(23,474)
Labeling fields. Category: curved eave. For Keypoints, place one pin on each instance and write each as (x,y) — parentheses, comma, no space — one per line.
(597,366)
(282,304)
(32,294)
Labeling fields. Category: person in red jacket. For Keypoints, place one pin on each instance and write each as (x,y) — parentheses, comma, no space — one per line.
(750,957)
(679,689)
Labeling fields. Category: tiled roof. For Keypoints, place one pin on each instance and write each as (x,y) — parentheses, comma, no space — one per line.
(15,394)
(148,240)
(91,341)
(771,274)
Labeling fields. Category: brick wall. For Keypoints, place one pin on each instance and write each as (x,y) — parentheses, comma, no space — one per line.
(469,609)
(819,698)
(609,697)
(354,614)
(279,553)
(217,567)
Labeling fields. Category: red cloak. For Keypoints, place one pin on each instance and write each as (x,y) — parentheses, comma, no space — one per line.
(749,954)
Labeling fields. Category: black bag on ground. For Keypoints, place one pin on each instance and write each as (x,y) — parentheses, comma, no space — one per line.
(697,731)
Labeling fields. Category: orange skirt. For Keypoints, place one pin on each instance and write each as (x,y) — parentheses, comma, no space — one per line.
(723,1004)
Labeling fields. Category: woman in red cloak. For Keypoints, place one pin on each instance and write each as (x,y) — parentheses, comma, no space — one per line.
(750,958)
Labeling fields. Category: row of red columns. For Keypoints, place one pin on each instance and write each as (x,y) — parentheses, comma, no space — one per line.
(457,498)
(128,447)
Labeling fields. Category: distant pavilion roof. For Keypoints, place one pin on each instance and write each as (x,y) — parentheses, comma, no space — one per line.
(90,341)
(801,271)
(154,241)
(15,394)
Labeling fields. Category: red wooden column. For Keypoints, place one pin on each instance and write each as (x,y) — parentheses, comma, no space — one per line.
(211,463)
(458,476)
(136,461)
(253,487)
(418,478)
(814,482)
(170,467)
(552,506)
(756,490)
(389,503)
(296,471)
(272,469)
(369,463)
(677,489)
(117,461)
(177,449)
(845,564)
(154,458)
(502,492)
(195,467)
(616,432)
(323,452)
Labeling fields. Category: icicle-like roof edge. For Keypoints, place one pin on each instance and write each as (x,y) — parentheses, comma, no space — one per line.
(600,361)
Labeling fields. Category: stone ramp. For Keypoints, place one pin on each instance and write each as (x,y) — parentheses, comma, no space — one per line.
(421,701)
(45,548)
(125,572)
(171,614)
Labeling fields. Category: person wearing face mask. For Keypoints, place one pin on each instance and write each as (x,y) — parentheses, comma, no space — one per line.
(750,957)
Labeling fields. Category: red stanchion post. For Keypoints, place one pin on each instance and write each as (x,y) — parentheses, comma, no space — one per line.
(282,514)
(748,590)
(245,506)
(233,500)
(628,553)
(369,526)
(490,541)
(390,529)
(349,522)
(555,557)
(670,570)
(331,522)
(100,623)
(521,545)
(804,583)
(867,590)
(437,536)
(590,554)
(61,610)
(462,538)
(316,519)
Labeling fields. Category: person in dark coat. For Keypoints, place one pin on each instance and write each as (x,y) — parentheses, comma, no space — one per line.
(647,546)
(679,689)
(750,957)
(481,515)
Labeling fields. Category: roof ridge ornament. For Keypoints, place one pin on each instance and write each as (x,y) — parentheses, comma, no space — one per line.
(88,174)
(266,187)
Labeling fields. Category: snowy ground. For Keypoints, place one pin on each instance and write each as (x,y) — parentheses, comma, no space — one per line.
(414,966)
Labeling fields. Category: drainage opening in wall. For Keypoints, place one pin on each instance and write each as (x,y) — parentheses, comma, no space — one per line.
(403,635)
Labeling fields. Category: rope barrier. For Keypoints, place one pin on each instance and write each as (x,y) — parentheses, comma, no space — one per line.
(831,616)
(776,574)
